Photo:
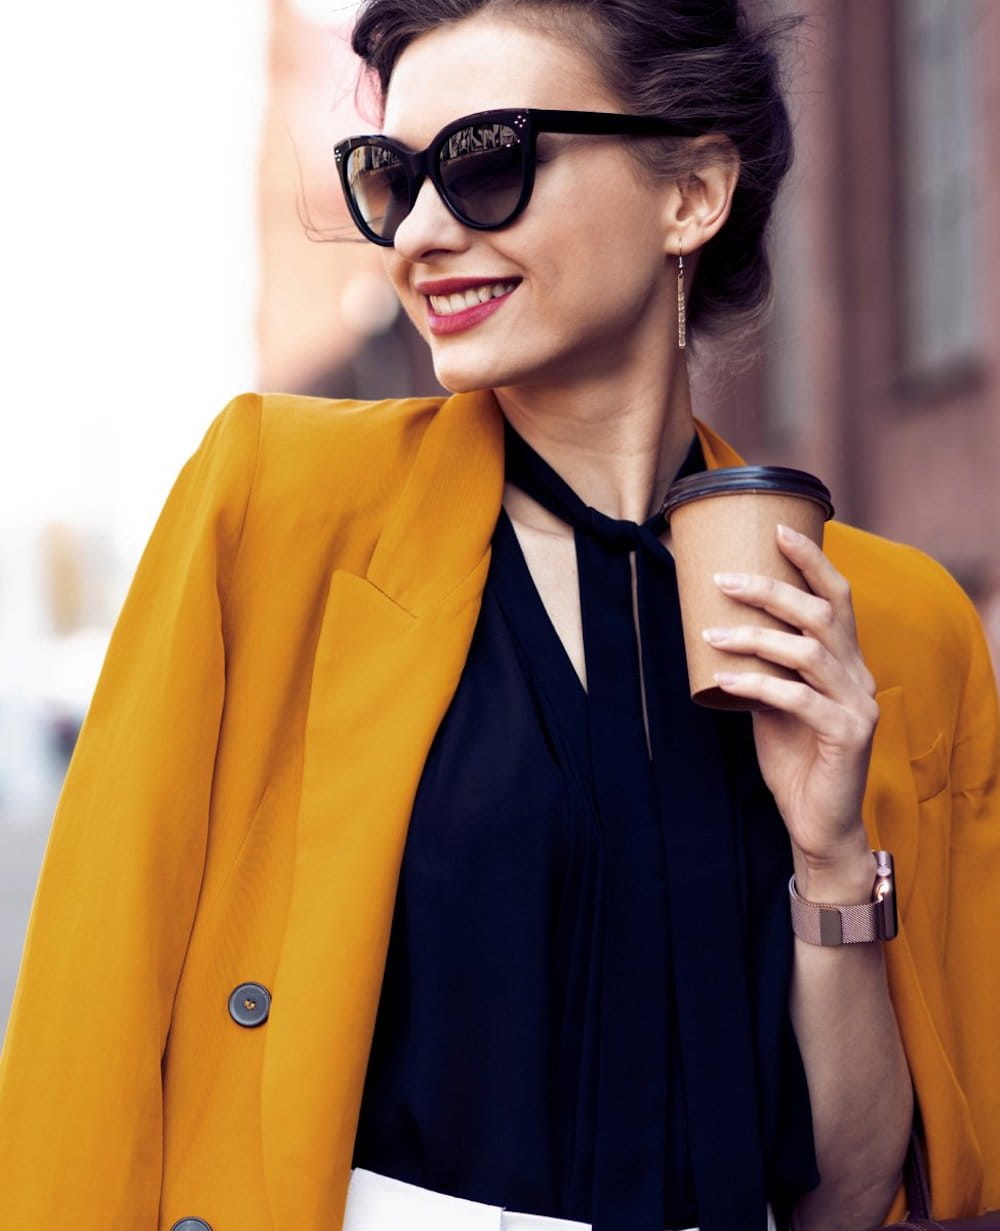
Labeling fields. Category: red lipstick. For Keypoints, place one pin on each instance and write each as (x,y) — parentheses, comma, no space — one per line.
(457,322)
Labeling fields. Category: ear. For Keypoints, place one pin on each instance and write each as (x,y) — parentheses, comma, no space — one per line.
(700,197)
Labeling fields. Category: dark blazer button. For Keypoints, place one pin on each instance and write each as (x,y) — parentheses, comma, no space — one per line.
(249,1006)
(191,1224)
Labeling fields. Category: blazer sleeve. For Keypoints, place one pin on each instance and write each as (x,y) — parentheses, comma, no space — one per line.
(972,943)
(80,1085)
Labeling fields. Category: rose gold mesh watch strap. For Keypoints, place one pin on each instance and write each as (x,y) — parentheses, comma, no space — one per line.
(835,923)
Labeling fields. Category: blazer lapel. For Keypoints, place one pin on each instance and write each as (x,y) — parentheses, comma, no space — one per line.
(440,528)
(390,653)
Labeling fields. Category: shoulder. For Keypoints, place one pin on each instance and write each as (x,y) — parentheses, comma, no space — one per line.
(885,574)
(300,481)
(915,622)
(333,424)
(310,445)
(292,429)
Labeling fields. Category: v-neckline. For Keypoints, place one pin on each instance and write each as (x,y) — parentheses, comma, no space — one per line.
(554,653)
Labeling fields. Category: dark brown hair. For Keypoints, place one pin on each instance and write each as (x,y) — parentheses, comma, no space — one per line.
(701,61)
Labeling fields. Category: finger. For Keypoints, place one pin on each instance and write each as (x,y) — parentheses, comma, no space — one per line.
(804,654)
(843,725)
(812,615)
(800,609)
(818,571)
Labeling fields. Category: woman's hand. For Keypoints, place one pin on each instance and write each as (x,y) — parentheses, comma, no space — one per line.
(814,738)
(814,743)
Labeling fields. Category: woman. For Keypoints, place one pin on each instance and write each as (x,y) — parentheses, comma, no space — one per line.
(387,698)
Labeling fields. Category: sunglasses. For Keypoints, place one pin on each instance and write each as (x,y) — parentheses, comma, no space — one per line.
(483,165)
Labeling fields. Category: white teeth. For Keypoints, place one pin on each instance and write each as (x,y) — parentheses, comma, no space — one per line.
(448,305)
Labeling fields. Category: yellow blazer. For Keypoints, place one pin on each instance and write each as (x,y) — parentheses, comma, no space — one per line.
(238,803)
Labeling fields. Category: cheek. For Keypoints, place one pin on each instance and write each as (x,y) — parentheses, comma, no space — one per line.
(600,244)
(397,273)
(615,275)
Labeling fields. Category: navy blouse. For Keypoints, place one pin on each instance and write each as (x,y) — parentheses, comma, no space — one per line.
(535,1046)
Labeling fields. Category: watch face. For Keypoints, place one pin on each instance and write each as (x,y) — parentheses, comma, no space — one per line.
(884,895)
(884,905)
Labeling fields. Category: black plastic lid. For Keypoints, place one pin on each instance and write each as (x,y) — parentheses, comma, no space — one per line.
(731,480)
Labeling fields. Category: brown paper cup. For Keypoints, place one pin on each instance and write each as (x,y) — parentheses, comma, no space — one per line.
(733,532)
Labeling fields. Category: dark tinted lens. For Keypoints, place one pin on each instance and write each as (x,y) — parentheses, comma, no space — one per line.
(379,187)
(482,168)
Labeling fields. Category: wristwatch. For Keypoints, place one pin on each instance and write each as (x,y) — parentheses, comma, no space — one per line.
(831,923)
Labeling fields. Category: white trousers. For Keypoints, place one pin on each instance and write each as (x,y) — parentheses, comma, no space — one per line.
(380,1203)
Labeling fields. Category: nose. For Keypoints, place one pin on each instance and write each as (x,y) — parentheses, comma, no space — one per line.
(429,227)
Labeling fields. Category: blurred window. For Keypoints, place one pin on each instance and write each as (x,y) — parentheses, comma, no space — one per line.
(941,301)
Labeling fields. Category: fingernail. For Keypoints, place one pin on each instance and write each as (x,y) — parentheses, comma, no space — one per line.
(790,535)
(730,581)
(715,636)
(726,677)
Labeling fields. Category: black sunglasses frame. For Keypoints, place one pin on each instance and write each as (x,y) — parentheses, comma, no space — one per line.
(526,123)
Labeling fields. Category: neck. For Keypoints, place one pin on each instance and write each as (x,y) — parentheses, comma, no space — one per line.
(617,446)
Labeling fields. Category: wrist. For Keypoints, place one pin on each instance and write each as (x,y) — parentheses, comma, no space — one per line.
(846,877)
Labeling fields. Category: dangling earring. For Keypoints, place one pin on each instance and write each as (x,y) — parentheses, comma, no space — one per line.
(681,307)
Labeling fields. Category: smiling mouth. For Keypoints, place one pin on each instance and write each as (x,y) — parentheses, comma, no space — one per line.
(461,301)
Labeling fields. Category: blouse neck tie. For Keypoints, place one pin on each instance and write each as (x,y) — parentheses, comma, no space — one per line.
(677,1043)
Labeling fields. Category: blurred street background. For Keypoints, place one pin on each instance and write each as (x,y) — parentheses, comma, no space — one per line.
(170,186)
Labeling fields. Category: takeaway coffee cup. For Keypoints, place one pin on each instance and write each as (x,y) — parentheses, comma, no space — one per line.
(725,521)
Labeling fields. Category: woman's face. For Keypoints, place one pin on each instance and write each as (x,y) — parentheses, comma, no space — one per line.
(583,269)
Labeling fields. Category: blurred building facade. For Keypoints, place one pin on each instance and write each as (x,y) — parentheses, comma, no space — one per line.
(328,321)
(878,367)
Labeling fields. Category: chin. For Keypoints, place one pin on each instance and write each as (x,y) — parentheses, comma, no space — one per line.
(455,384)
(459,377)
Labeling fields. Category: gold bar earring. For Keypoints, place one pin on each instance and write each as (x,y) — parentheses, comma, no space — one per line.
(681,306)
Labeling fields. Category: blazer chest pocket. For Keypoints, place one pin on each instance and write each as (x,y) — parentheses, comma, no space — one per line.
(906,803)
(930,770)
